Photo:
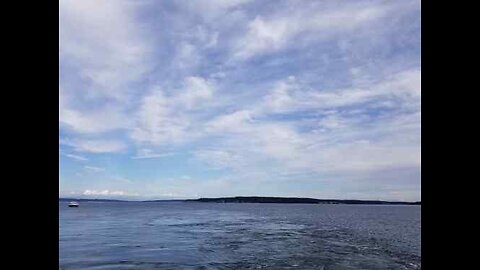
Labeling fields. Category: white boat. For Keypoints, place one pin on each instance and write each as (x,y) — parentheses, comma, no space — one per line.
(73,204)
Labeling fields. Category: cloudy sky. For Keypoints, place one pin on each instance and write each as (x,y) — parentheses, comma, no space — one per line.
(185,99)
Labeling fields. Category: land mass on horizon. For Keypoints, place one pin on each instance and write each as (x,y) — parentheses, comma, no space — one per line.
(260,199)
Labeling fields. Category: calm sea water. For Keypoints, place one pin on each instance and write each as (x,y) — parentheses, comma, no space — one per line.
(180,235)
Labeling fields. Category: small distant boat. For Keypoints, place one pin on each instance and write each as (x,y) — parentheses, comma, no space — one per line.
(73,204)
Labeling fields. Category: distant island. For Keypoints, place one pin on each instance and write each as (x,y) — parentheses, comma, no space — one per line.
(255,199)
(259,199)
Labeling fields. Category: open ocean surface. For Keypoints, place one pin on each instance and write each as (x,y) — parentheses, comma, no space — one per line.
(191,235)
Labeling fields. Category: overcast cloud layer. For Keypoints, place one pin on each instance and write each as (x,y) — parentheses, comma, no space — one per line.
(184,99)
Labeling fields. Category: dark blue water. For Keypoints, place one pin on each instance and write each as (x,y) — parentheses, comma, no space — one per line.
(100,235)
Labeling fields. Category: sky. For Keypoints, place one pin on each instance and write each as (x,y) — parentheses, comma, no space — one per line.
(187,99)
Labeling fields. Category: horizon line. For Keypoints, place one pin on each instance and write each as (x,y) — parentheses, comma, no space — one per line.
(198,198)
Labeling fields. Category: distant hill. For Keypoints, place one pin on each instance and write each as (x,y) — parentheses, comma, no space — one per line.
(255,199)
(258,199)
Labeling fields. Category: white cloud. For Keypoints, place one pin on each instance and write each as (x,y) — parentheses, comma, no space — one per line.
(94,169)
(290,95)
(195,91)
(220,158)
(122,180)
(233,122)
(273,33)
(339,142)
(76,157)
(169,119)
(212,10)
(106,192)
(148,154)
(104,44)
(187,56)
(103,51)
(96,146)
(98,121)
(280,98)
(158,122)
(273,147)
